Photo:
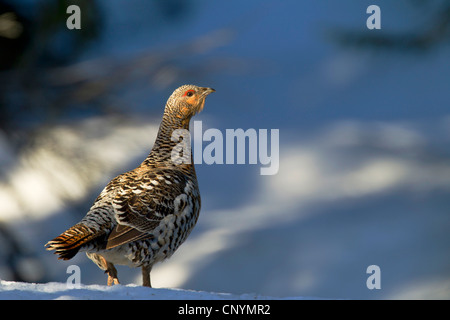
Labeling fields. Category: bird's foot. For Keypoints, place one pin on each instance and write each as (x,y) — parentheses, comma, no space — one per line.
(112,280)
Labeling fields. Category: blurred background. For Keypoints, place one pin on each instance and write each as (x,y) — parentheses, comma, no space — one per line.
(364,120)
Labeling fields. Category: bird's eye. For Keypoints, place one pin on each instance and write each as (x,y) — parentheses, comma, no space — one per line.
(189,93)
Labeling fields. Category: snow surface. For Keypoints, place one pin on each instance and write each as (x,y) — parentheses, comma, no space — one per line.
(11,290)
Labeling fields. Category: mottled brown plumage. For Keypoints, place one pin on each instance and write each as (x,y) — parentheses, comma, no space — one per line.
(142,216)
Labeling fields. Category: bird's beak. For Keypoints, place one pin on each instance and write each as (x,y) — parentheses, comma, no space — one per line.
(207,91)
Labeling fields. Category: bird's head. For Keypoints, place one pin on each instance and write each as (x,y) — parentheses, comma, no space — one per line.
(188,100)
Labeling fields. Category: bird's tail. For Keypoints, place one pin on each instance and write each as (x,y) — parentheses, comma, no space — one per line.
(67,244)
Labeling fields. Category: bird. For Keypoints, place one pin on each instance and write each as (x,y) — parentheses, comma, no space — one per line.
(142,216)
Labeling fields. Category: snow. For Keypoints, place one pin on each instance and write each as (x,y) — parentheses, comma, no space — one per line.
(11,290)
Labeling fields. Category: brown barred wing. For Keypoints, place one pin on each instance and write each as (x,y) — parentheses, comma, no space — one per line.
(140,206)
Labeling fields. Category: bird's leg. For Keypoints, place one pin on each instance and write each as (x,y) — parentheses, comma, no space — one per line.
(110,270)
(112,275)
(146,276)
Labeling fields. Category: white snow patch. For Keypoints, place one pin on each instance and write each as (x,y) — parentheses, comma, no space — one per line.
(11,290)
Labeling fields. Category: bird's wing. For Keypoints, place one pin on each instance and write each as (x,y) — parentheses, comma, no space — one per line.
(142,202)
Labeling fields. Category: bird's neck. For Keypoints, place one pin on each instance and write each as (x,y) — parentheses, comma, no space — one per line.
(171,133)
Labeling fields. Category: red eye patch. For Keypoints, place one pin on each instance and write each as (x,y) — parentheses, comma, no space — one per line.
(189,93)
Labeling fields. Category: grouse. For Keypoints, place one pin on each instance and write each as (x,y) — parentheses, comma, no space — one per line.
(142,216)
